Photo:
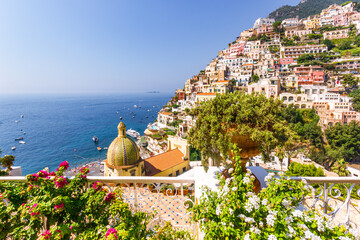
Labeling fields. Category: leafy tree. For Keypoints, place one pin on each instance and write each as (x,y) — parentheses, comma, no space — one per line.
(329,44)
(345,45)
(340,168)
(315,36)
(7,161)
(255,78)
(306,58)
(350,81)
(355,94)
(344,141)
(233,82)
(288,42)
(296,38)
(277,27)
(304,170)
(237,114)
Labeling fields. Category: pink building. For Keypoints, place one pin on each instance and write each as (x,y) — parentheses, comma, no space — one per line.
(341,20)
(309,75)
(283,63)
(263,29)
(269,87)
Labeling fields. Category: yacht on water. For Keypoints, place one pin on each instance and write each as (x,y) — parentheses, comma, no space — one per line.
(20,138)
(22,142)
(13,148)
(95,139)
(132,133)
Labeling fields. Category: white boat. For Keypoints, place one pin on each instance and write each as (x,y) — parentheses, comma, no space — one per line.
(135,106)
(13,148)
(22,142)
(22,116)
(132,133)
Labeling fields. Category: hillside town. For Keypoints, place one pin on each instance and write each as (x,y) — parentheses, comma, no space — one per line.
(310,63)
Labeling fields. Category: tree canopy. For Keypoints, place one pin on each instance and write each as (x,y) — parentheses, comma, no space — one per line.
(344,141)
(304,170)
(251,115)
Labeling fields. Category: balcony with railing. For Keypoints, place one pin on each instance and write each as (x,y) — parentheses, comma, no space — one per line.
(169,198)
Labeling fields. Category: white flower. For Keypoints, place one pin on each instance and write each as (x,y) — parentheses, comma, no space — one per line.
(297,213)
(291,230)
(320,227)
(261,224)
(234,189)
(218,210)
(250,194)
(308,234)
(247,237)
(289,219)
(255,201)
(307,218)
(344,238)
(231,170)
(270,219)
(231,224)
(286,203)
(231,211)
(255,230)
(304,181)
(272,237)
(246,180)
(264,202)
(242,216)
(224,224)
(249,220)
(248,207)
(227,181)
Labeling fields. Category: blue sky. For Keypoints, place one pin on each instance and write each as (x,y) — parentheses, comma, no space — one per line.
(115,46)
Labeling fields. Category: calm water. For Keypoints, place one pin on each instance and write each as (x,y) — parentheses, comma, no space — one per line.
(56,126)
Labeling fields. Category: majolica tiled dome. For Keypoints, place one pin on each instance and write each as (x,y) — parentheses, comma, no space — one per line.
(122,151)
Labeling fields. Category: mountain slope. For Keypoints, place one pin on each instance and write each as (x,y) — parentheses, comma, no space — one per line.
(304,9)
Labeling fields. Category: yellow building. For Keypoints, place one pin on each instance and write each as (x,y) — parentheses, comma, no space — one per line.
(123,158)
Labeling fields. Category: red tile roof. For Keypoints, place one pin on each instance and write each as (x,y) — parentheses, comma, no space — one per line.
(209,94)
(164,161)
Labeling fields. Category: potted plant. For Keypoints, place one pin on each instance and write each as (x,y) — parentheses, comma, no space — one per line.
(250,123)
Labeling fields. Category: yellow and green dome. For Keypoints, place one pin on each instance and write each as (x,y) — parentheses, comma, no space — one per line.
(122,151)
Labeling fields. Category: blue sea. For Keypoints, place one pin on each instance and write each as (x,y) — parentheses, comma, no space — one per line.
(60,128)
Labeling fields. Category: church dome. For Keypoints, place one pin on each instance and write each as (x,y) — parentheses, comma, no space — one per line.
(122,151)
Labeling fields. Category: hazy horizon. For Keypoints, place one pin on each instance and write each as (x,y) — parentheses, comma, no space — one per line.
(97,47)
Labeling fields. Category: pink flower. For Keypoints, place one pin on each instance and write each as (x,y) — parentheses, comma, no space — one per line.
(97,185)
(60,181)
(59,207)
(46,234)
(109,197)
(52,174)
(33,178)
(111,231)
(64,164)
(43,173)
(32,212)
(71,227)
(85,170)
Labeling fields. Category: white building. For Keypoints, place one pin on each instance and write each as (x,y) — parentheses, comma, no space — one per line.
(262,21)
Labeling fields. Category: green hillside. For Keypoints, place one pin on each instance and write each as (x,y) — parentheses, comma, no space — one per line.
(304,9)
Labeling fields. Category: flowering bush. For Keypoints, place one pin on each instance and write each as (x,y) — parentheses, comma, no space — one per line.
(236,212)
(51,206)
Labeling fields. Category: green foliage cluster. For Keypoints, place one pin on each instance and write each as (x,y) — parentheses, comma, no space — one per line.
(305,123)
(355,94)
(6,162)
(69,209)
(344,141)
(315,36)
(195,155)
(350,81)
(236,212)
(303,9)
(287,42)
(304,170)
(239,114)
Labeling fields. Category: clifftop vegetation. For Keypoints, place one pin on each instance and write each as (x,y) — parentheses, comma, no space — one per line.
(303,9)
